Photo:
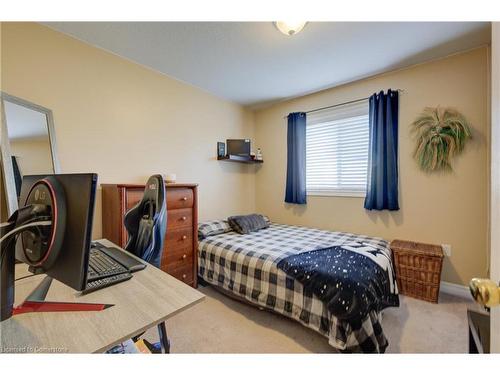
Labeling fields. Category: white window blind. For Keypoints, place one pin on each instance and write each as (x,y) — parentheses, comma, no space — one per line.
(337,150)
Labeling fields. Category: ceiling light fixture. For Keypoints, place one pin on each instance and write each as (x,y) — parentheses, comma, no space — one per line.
(289,27)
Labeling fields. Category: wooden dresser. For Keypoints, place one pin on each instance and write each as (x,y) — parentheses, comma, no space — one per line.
(181,242)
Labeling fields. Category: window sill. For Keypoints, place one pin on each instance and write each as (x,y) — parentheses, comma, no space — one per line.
(348,194)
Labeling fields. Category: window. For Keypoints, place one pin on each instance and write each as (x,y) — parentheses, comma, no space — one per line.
(337,150)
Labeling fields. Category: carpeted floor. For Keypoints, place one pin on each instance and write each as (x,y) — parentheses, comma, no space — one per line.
(220,324)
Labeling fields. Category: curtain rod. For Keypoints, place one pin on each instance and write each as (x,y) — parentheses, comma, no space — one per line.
(345,103)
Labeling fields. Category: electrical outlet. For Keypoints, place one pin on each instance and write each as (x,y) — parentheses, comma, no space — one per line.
(446,249)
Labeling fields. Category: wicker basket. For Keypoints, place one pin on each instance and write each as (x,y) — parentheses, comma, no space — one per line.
(418,269)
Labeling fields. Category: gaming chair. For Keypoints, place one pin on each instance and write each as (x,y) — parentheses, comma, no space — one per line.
(146,222)
(146,225)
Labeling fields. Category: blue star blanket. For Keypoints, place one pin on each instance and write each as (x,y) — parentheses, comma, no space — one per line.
(350,280)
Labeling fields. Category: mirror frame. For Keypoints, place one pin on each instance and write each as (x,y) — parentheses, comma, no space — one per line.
(5,153)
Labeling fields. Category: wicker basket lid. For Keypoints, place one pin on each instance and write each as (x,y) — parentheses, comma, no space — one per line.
(417,247)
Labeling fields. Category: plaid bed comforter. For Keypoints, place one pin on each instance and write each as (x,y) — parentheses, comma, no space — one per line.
(246,265)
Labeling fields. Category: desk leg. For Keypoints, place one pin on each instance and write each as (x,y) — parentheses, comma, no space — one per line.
(164,341)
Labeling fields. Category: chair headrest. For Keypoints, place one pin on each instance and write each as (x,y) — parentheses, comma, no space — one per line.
(154,193)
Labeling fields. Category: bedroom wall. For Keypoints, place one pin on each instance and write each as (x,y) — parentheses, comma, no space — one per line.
(126,122)
(438,208)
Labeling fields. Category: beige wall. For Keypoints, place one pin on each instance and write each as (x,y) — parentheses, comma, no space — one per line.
(33,155)
(438,208)
(126,122)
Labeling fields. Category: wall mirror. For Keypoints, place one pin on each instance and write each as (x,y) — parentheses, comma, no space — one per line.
(28,146)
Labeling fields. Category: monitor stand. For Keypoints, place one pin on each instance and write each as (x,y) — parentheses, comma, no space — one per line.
(36,302)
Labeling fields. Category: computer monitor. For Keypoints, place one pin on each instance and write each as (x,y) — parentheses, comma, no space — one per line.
(70,266)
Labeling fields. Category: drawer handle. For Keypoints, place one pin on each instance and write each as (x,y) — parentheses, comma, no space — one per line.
(184,276)
(184,256)
(184,237)
(184,198)
(184,218)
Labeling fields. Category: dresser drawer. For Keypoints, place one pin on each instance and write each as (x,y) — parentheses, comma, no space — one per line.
(179,218)
(178,238)
(176,198)
(179,198)
(177,259)
(183,273)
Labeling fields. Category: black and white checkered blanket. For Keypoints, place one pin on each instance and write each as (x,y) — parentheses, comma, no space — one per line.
(246,265)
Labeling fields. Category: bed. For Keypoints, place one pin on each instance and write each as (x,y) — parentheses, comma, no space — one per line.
(261,268)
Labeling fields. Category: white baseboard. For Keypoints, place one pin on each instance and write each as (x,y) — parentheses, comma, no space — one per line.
(455,290)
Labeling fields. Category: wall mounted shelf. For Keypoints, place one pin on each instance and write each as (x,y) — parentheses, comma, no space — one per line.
(239,159)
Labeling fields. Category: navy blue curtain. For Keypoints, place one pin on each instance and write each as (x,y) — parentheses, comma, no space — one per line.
(382,186)
(296,159)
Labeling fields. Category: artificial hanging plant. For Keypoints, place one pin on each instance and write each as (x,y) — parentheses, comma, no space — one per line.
(441,135)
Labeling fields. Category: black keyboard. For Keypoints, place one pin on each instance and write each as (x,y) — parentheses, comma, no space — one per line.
(102,265)
(104,271)
(120,256)
(105,282)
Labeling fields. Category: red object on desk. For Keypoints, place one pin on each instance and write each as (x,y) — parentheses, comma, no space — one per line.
(45,306)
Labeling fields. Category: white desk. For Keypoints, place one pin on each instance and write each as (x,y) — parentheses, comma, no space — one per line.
(150,297)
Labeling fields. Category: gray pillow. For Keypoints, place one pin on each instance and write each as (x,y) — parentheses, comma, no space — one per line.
(212,228)
(245,224)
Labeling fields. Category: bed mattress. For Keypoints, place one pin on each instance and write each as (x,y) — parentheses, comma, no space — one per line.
(247,266)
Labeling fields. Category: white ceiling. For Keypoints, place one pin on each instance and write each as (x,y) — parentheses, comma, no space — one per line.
(253,64)
(24,123)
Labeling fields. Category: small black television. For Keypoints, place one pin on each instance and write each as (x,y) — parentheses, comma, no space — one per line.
(239,147)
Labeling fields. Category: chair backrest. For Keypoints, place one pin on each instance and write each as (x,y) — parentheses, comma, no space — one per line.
(146,222)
